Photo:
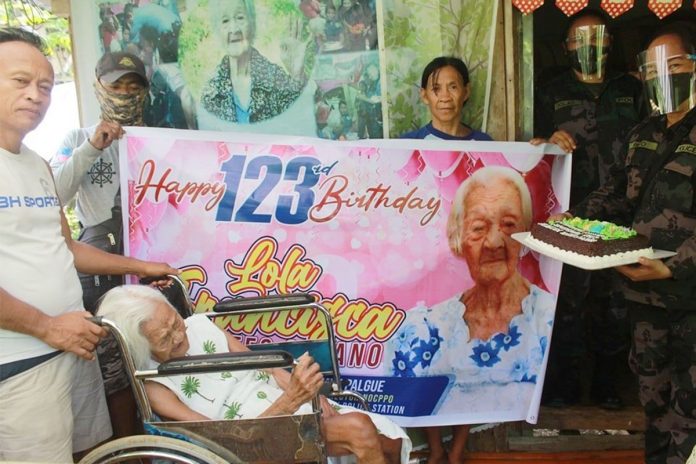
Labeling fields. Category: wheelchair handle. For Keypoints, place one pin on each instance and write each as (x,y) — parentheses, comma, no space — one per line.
(226,362)
(262,302)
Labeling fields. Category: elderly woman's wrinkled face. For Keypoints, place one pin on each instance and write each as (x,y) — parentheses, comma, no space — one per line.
(166,333)
(234,26)
(493,212)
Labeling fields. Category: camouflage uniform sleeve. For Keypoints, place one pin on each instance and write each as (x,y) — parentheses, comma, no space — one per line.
(683,265)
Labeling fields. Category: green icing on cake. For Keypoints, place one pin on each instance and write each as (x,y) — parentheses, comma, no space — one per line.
(607,230)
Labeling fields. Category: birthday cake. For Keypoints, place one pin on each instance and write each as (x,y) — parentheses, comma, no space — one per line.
(592,241)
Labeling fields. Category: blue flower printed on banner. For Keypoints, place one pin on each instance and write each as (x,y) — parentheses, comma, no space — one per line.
(485,355)
(435,337)
(425,352)
(519,369)
(508,340)
(528,378)
(403,365)
(406,337)
(415,350)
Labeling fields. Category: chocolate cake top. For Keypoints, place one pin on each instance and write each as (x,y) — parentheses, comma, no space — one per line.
(603,229)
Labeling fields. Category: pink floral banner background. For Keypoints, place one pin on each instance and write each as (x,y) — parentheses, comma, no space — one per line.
(362,225)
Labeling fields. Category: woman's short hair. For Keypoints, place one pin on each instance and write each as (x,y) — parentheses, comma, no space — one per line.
(216,6)
(16,34)
(440,62)
(482,177)
(685,30)
(129,307)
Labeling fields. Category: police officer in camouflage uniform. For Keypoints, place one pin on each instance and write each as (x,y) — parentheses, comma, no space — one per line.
(588,112)
(656,186)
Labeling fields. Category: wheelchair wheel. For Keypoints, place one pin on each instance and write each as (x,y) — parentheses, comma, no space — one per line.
(155,448)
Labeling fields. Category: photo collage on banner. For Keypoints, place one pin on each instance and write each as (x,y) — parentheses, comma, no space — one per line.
(375,230)
(297,67)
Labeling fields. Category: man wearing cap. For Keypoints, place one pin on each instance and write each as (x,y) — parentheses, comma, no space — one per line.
(86,167)
(51,393)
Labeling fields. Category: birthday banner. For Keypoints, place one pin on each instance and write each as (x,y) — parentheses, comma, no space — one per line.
(363,225)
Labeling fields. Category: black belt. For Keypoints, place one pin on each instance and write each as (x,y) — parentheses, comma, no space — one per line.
(17,367)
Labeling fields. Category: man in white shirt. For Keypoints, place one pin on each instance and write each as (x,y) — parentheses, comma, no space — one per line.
(86,169)
(51,394)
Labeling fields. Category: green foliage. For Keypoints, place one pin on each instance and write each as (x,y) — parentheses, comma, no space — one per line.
(232,411)
(227,375)
(263,376)
(73,223)
(190,386)
(55,31)
(209,346)
(284,7)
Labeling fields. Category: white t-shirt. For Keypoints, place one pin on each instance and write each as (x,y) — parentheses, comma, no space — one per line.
(36,265)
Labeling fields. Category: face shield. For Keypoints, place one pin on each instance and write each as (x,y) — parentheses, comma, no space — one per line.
(588,47)
(669,81)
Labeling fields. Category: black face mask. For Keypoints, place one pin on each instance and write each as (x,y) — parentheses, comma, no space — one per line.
(679,88)
(584,59)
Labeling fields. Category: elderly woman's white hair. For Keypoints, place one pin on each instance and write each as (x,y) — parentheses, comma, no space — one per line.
(216,6)
(129,306)
(482,177)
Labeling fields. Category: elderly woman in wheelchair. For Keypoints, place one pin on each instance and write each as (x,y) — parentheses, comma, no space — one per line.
(155,333)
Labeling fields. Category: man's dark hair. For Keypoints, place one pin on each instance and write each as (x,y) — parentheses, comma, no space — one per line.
(16,34)
(685,30)
(586,13)
(440,62)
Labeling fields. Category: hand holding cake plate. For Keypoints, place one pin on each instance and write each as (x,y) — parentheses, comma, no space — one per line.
(589,244)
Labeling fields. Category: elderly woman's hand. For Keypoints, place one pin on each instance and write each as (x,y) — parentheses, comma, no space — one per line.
(305,381)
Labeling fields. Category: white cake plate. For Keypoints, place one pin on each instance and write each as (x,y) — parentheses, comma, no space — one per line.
(586,262)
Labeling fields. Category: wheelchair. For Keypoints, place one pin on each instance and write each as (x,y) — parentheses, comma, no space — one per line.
(281,439)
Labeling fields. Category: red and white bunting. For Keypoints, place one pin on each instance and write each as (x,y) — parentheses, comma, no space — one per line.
(663,8)
(616,7)
(570,7)
(527,6)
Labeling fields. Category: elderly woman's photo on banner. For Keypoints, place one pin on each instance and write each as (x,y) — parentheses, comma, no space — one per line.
(301,67)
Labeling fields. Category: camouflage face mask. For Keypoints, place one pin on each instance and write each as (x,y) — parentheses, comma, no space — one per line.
(123,108)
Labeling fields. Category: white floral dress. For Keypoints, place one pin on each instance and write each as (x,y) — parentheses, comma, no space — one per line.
(436,341)
(244,394)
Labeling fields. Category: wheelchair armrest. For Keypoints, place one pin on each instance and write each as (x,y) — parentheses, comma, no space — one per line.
(226,362)
(261,302)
